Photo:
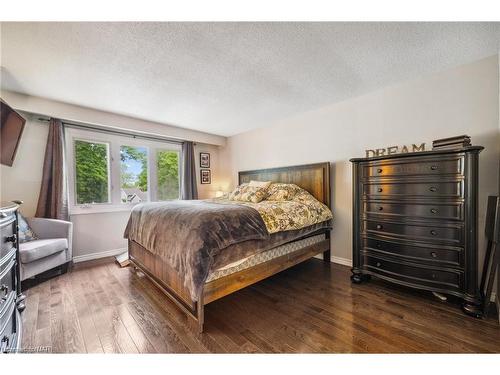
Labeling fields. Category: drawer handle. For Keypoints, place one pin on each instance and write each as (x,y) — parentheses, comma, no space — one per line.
(434,276)
(433,254)
(379,246)
(3,215)
(5,289)
(380,190)
(379,226)
(434,167)
(380,208)
(378,264)
(434,211)
(433,189)
(12,238)
(433,232)
(379,170)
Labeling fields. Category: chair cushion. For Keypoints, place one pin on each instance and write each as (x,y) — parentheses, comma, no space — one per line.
(37,249)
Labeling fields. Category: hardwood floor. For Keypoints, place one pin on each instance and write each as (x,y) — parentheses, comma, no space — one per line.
(101,308)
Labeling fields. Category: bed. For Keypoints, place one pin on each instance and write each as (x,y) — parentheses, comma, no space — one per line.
(287,250)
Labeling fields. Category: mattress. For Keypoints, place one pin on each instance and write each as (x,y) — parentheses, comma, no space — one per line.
(264,256)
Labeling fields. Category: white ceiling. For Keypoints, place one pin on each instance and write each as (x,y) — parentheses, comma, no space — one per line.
(226,78)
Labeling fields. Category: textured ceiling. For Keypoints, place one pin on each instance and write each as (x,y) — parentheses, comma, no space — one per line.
(226,78)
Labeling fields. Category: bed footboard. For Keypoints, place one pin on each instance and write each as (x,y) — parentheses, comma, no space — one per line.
(168,281)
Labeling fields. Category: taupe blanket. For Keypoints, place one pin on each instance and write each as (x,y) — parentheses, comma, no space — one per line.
(189,234)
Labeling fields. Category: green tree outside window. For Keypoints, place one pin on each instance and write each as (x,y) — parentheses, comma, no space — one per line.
(168,174)
(91,161)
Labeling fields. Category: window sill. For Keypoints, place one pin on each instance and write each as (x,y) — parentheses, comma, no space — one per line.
(100,209)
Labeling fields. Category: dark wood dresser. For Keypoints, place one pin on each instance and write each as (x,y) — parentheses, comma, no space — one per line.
(11,299)
(415,221)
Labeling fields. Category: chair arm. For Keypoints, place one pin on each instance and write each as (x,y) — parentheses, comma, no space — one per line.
(53,228)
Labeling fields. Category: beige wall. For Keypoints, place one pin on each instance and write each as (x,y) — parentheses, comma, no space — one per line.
(22,180)
(463,100)
(208,190)
(74,113)
(98,233)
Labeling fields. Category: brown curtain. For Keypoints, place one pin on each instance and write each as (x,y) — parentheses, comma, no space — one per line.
(189,187)
(52,201)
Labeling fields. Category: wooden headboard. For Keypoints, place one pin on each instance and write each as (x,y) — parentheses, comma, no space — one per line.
(315,178)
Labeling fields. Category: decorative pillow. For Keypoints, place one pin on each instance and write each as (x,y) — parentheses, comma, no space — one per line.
(25,232)
(262,184)
(282,192)
(247,193)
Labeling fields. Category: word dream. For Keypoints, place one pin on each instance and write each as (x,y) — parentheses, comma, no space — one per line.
(394,150)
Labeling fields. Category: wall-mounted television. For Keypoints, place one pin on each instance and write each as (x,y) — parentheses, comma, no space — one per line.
(11,129)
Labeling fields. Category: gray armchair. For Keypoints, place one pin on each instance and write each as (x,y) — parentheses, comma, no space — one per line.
(52,249)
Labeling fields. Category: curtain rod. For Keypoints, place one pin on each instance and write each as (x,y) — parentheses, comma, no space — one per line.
(109,130)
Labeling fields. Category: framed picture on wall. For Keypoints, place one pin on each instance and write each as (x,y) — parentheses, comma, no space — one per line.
(204,160)
(205,176)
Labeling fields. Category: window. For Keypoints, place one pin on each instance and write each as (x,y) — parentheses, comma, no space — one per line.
(92,172)
(133,174)
(111,173)
(167,172)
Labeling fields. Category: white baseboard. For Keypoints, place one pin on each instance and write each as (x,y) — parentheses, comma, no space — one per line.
(343,261)
(338,260)
(100,254)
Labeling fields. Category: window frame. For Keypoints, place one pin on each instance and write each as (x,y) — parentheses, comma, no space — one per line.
(114,142)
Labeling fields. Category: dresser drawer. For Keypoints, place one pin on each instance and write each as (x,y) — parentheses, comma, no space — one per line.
(404,190)
(412,167)
(7,238)
(8,330)
(10,321)
(8,278)
(6,303)
(412,273)
(7,292)
(452,257)
(7,217)
(452,235)
(451,211)
(7,262)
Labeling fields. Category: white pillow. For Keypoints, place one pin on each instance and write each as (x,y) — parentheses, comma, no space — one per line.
(260,184)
